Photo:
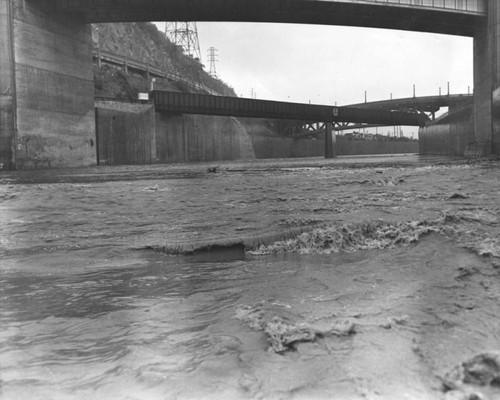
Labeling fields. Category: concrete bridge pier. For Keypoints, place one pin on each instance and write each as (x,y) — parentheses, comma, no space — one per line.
(330,141)
(486,137)
(47,112)
(6,82)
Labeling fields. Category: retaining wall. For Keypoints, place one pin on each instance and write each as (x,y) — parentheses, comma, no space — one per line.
(346,147)
(191,138)
(125,134)
(453,137)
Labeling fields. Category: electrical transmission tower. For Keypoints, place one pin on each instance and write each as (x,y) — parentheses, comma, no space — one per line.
(213,57)
(184,34)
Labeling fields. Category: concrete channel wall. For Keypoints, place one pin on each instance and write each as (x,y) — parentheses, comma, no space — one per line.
(275,147)
(192,138)
(452,137)
(348,147)
(135,134)
(125,134)
(6,132)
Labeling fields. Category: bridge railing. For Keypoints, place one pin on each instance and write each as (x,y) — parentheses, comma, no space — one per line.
(473,6)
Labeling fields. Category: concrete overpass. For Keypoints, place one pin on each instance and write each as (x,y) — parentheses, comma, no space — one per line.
(46,79)
(455,17)
(422,104)
(428,105)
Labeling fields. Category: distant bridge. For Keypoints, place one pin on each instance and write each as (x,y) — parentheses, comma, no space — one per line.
(429,104)
(189,103)
(413,105)
(422,105)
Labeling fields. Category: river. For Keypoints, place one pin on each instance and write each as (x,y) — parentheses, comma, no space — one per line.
(357,278)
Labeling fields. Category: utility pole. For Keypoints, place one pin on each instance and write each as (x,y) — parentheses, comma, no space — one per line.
(95,28)
(185,35)
(213,57)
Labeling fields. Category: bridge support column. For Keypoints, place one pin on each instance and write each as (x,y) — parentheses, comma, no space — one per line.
(330,140)
(7,123)
(53,86)
(486,137)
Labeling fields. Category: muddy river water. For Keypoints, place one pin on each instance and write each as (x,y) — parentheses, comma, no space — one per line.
(358,279)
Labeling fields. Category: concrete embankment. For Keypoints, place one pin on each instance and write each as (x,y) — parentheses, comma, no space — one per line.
(451,135)
(136,134)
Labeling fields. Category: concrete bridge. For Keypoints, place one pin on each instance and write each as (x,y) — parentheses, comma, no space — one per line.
(456,17)
(46,77)
(425,104)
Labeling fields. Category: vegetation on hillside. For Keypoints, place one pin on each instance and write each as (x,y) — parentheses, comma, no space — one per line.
(143,42)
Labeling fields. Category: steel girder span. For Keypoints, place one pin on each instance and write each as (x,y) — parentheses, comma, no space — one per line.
(188,103)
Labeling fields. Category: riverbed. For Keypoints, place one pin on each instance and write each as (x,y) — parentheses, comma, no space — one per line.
(357,278)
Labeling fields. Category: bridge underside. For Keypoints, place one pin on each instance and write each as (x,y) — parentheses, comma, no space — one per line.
(389,16)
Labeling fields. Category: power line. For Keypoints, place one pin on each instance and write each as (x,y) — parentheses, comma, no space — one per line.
(184,34)
(213,57)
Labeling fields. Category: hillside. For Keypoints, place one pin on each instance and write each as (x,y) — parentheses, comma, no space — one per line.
(143,42)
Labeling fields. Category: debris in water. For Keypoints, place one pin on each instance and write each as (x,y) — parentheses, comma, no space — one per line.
(483,370)
(460,395)
(458,196)
(152,188)
(284,332)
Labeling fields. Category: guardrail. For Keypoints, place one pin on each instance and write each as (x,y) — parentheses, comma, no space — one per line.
(472,6)
(150,71)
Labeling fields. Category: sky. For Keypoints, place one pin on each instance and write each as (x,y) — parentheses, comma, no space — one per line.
(333,64)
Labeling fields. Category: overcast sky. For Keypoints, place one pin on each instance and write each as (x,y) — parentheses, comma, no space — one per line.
(325,64)
(328,64)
